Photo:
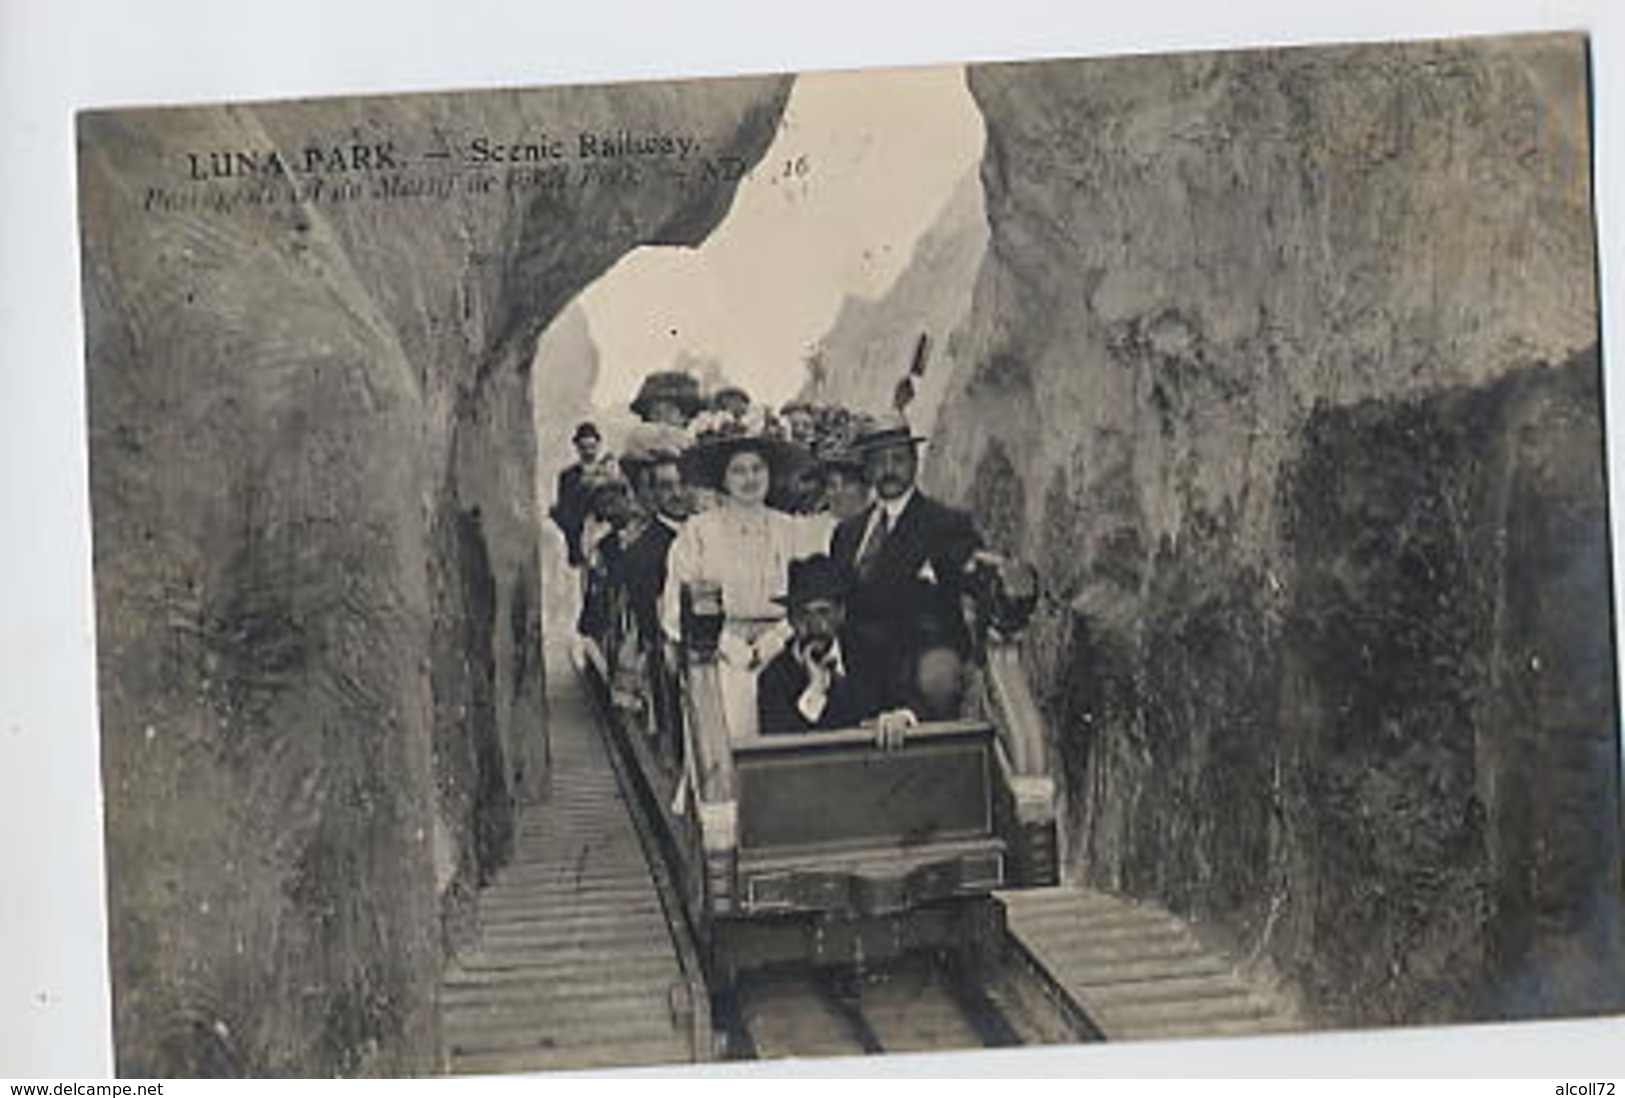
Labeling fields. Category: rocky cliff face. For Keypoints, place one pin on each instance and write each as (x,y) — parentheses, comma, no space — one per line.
(1283,367)
(870,346)
(313,479)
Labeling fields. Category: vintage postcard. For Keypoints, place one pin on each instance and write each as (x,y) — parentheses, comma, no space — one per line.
(838,563)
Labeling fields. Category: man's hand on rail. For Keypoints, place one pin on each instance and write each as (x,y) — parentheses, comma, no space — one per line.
(891,728)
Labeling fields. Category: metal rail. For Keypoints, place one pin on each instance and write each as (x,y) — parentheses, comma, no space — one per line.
(995,1002)
(588,954)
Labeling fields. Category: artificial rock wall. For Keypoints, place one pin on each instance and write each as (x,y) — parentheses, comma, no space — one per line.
(870,346)
(313,483)
(1283,368)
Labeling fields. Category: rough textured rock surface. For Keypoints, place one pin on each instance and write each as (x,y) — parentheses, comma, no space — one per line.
(870,345)
(315,539)
(1283,367)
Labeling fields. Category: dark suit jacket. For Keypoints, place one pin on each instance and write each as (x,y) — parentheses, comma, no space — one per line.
(641,572)
(863,692)
(892,604)
(571,501)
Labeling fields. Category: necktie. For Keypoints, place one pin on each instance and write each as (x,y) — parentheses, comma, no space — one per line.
(870,550)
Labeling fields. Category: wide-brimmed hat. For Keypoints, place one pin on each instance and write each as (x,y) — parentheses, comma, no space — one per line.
(676,386)
(706,461)
(813,578)
(884,431)
(728,391)
(648,444)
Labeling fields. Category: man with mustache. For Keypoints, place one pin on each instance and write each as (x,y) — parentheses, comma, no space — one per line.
(909,553)
(642,567)
(641,574)
(826,678)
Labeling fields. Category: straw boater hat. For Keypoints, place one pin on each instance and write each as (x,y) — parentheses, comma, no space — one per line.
(719,436)
(673,385)
(884,431)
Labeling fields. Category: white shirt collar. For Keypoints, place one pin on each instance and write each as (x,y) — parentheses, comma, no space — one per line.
(894,507)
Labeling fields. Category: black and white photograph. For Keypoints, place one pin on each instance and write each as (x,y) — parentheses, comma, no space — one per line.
(918,559)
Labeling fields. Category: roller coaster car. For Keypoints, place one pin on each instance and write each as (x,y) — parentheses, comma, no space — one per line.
(820,848)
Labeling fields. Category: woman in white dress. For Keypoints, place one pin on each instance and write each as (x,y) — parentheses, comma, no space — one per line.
(745,547)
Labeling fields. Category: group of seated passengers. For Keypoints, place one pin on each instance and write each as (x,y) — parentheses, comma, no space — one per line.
(841,581)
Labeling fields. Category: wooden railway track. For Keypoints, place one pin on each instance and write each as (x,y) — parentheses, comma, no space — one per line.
(916,1004)
(576,965)
(585,958)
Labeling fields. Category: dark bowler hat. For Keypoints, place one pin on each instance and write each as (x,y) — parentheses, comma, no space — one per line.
(673,385)
(814,578)
(884,431)
(586,430)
